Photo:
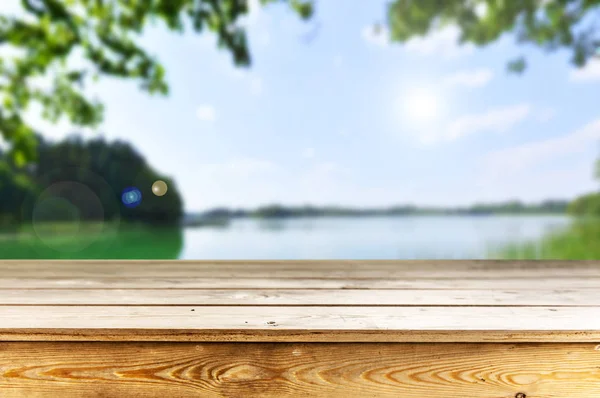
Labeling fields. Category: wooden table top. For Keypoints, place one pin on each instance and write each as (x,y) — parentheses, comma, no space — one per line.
(300,301)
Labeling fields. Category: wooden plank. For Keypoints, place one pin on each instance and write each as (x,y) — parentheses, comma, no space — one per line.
(117,282)
(302,318)
(40,370)
(304,269)
(320,323)
(324,297)
(176,272)
(308,336)
(472,265)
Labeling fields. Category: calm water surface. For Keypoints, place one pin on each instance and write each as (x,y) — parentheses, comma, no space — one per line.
(418,237)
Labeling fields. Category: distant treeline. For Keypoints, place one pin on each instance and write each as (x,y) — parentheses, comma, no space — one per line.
(82,180)
(279,211)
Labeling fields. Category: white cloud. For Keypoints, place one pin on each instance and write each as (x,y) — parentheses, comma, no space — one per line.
(249,166)
(308,153)
(518,158)
(546,115)
(440,43)
(249,182)
(559,167)
(237,167)
(376,35)
(494,120)
(206,113)
(324,183)
(591,72)
(443,42)
(469,78)
(536,184)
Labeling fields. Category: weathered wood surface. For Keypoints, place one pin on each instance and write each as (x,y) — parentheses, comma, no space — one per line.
(492,329)
(387,301)
(299,370)
(209,322)
(342,269)
(232,282)
(302,297)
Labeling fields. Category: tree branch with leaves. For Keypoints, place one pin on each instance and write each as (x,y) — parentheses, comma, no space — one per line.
(549,24)
(105,33)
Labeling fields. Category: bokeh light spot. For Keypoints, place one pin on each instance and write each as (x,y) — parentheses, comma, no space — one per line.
(58,217)
(131,197)
(159,188)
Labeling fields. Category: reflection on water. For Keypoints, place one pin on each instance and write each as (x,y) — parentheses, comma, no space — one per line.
(123,243)
(272,225)
(407,237)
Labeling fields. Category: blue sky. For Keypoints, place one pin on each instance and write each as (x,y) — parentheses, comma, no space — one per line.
(347,118)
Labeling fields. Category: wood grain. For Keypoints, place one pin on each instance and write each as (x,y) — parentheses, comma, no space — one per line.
(472,265)
(303,269)
(117,282)
(492,329)
(304,335)
(342,370)
(288,323)
(300,297)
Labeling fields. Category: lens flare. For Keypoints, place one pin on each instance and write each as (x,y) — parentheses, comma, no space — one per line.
(159,188)
(131,197)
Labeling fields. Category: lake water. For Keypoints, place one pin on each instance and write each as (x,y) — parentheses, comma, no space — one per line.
(406,237)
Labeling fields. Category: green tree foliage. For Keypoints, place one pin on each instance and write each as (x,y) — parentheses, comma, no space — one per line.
(589,204)
(86,178)
(105,33)
(15,189)
(586,205)
(549,24)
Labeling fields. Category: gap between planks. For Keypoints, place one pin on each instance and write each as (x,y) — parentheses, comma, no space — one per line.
(295,336)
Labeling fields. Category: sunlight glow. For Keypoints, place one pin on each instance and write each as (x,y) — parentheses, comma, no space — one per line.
(422,105)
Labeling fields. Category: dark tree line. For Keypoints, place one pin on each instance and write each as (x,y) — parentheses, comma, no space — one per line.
(88,175)
(280,211)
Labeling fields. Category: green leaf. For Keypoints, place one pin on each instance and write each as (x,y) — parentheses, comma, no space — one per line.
(304,8)
(550,25)
(517,65)
(19,158)
(48,32)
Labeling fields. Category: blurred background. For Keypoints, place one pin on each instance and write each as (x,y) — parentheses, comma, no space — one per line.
(291,129)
